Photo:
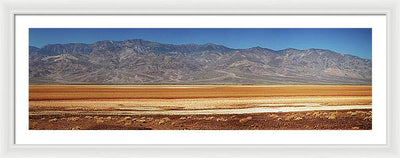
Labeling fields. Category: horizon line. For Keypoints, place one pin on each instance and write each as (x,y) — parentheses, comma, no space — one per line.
(311,48)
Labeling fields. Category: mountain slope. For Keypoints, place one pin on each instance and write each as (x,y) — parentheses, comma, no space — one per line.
(144,62)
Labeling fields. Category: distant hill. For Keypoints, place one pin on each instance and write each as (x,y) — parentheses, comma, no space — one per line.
(143,62)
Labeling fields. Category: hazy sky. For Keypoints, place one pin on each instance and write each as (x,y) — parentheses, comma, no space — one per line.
(355,41)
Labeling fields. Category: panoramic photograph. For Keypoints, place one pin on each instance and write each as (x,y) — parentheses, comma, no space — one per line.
(200,79)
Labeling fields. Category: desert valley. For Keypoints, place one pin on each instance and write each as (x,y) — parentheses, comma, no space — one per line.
(139,84)
(204,107)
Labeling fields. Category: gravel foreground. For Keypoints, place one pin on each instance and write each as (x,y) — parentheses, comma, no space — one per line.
(310,120)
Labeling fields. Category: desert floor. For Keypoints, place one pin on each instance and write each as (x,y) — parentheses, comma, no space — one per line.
(208,107)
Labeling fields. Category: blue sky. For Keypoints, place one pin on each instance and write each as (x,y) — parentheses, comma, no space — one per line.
(355,41)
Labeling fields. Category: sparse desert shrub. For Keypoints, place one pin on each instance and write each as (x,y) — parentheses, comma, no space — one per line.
(360,112)
(141,121)
(164,120)
(53,120)
(222,119)
(33,124)
(161,122)
(332,117)
(127,118)
(355,128)
(183,118)
(298,118)
(99,121)
(290,117)
(316,114)
(120,121)
(274,116)
(88,117)
(209,118)
(76,128)
(73,119)
(129,123)
(367,118)
(244,120)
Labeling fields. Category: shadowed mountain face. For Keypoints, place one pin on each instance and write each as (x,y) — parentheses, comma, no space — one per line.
(144,62)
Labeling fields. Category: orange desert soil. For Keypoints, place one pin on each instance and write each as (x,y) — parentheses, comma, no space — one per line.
(200,107)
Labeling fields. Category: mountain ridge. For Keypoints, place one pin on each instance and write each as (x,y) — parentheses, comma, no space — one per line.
(192,44)
(138,61)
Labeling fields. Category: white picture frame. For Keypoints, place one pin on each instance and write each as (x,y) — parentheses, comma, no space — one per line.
(23,7)
(375,22)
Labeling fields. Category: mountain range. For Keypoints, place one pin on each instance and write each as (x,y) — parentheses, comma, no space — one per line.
(139,62)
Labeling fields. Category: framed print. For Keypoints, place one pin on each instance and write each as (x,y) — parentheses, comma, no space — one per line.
(200,79)
(168,79)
